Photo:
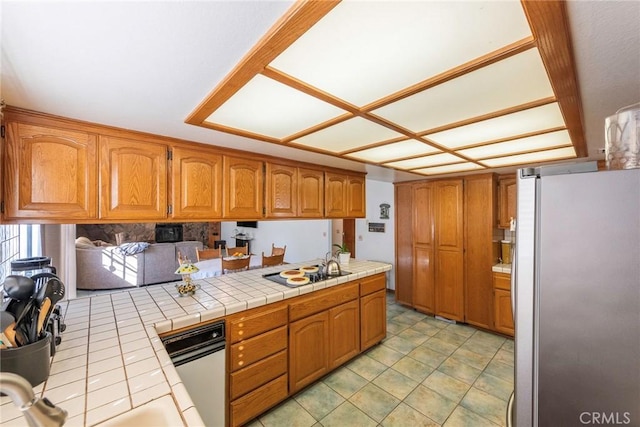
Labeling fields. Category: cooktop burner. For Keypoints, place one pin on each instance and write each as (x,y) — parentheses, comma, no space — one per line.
(313,277)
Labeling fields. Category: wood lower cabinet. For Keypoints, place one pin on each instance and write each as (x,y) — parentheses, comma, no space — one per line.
(258,358)
(344,333)
(276,350)
(503,313)
(308,350)
(196,184)
(424,287)
(243,183)
(133,179)
(50,173)
(480,219)
(373,310)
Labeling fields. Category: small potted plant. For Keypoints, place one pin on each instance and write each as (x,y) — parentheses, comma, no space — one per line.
(343,253)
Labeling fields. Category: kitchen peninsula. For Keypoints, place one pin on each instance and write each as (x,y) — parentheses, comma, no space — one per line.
(112,361)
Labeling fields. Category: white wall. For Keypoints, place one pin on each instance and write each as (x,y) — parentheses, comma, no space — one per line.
(378,246)
(305,239)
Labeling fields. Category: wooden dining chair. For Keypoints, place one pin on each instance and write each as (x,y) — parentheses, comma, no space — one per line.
(208,253)
(238,264)
(278,251)
(241,249)
(272,260)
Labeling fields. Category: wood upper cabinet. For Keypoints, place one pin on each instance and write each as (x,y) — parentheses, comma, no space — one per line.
(133,179)
(404,243)
(281,184)
(335,195)
(50,173)
(310,193)
(356,198)
(449,249)
(344,195)
(243,181)
(196,183)
(479,222)
(308,350)
(506,201)
(344,333)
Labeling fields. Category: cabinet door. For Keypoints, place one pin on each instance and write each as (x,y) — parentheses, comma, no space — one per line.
(404,243)
(356,204)
(281,191)
(423,248)
(449,267)
(310,193)
(344,333)
(335,195)
(196,182)
(50,173)
(308,350)
(502,312)
(243,182)
(479,208)
(507,201)
(133,179)
(373,319)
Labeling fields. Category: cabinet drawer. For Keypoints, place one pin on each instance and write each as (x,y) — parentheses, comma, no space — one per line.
(257,374)
(249,351)
(502,281)
(371,284)
(252,324)
(258,401)
(328,298)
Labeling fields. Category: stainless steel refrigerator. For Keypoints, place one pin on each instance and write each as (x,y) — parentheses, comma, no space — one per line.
(576,291)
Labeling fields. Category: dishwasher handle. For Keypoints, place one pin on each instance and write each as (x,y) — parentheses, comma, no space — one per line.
(180,358)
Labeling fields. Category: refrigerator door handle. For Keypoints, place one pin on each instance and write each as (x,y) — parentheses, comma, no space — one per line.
(510,411)
(513,282)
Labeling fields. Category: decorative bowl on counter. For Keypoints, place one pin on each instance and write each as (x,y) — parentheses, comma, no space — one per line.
(187,289)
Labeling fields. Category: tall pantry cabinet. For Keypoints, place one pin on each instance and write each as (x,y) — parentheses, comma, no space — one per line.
(444,247)
(431,280)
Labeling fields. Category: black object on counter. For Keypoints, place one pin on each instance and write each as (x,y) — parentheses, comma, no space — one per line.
(29,361)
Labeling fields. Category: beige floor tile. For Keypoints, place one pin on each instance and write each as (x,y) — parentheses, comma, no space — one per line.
(345,382)
(347,415)
(446,385)
(485,405)
(431,404)
(413,369)
(395,383)
(404,416)
(462,417)
(319,400)
(366,367)
(374,402)
(459,370)
(289,413)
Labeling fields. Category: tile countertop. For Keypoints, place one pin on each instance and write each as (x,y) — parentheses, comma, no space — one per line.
(502,268)
(111,359)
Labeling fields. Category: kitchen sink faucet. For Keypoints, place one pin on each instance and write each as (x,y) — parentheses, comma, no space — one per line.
(38,412)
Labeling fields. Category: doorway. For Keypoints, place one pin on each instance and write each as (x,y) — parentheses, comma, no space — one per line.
(344,231)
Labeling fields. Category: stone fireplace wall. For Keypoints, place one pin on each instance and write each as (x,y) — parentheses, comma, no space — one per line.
(144,232)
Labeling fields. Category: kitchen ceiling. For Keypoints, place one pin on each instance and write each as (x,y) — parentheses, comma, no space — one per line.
(401,90)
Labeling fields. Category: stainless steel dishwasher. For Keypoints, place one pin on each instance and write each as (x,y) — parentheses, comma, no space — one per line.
(199,357)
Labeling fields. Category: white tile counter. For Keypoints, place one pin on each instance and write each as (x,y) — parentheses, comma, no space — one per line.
(502,268)
(111,359)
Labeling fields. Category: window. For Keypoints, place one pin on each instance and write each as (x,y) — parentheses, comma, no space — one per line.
(18,241)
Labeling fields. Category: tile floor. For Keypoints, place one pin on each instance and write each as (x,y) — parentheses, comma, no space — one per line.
(426,372)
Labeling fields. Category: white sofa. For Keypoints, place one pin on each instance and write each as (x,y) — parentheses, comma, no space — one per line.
(104,267)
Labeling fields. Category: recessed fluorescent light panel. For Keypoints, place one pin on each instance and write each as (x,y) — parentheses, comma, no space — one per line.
(425,87)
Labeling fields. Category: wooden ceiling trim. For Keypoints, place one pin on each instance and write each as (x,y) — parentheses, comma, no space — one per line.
(549,25)
(318,127)
(526,162)
(303,15)
(473,65)
(240,132)
(517,153)
(488,116)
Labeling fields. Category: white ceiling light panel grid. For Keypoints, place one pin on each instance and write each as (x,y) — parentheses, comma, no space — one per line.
(397,150)
(459,167)
(532,120)
(511,82)
(540,156)
(266,107)
(521,145)
(363,51)
(347,135)
(420,162)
